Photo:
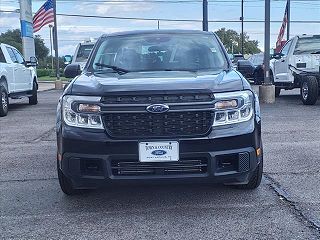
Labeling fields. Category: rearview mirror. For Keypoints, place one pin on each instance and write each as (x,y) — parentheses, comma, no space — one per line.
(72,70)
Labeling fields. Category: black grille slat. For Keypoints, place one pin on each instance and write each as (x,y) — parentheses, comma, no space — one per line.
(156,98)
(135,168)
(158,167)
(188,123)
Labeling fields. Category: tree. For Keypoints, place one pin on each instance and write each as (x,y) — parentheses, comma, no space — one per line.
(13,38)
(41,50)
(232,41)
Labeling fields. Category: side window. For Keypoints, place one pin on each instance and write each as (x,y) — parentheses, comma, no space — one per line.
(18,56)
(12,55)
(2,58)
(285,49)
(254,60)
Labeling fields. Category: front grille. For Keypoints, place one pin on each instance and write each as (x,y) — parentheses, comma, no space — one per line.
(170,124)
(135,168)
(158,98)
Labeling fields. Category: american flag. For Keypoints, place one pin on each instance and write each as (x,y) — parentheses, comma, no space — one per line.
(283,28)
(44,16)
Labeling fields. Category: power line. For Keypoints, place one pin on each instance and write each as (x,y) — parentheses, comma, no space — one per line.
(168,19)
(165,1)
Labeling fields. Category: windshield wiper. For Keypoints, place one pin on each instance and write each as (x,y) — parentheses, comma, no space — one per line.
(316,52)
(119,70)
(180,70)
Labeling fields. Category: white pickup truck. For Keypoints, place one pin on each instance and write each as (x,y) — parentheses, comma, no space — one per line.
(297,66)
(18,77)
(81,54)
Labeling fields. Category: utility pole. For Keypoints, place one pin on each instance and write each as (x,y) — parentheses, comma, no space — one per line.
(242,35)
(267,91)
(267,44)
(288,17)
(58,83)
(205,15)
(27,29)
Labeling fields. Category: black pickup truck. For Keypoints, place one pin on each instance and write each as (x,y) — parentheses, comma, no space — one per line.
(158,106)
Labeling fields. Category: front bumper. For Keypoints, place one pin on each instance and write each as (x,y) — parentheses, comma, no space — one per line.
(94,160)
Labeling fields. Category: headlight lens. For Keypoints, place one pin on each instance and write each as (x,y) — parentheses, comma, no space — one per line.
(226,104)
(82,111)
(234,107)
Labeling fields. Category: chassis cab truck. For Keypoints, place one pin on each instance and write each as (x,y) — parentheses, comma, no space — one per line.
(297,66)
(18,77)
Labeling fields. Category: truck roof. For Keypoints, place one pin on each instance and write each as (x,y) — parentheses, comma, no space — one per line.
(308,36)
(7,45)
(138,32)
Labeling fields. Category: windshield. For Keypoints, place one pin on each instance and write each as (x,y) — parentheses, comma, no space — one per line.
(257,59)
(84,52)
(160,52)
(307,45)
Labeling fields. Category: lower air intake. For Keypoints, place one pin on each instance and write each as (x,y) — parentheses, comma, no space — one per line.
(135,168)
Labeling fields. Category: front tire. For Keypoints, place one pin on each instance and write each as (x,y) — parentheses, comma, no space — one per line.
(33,100)
(277,91)
(65,183)
(255,180)
(309,90)
(4,101)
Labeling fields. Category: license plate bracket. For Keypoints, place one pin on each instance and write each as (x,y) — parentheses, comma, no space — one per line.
(165,151)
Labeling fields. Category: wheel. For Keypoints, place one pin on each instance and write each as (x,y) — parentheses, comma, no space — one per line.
(255,180)
(65,183)
(309,90)
(277,91)
(33,100)
(4,101)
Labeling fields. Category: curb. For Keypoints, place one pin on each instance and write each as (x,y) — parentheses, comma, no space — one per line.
(52,82)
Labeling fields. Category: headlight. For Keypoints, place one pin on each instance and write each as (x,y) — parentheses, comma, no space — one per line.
(233,107)
(82,111)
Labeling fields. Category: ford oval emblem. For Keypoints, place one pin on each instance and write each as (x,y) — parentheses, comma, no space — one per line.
(158,108)
(158,152)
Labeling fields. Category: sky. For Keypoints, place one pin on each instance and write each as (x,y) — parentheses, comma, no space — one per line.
(72,30)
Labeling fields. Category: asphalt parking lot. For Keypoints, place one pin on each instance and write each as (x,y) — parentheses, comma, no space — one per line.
(286,206)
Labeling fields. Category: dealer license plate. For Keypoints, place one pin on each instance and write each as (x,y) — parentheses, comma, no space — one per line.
(158,151)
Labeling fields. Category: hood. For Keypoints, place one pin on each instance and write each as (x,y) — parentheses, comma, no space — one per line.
(160,82)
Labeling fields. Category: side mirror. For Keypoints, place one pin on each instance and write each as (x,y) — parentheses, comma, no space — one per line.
(243,64)
(67,59)
(33,62)
(72,70)
(277,56)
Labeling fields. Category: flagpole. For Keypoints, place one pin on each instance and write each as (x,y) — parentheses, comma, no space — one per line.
(58,83)
(288,21)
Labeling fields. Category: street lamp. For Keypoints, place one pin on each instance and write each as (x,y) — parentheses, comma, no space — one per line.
(51,27)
